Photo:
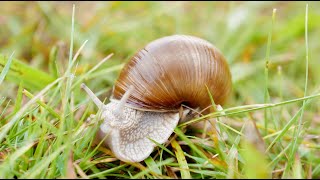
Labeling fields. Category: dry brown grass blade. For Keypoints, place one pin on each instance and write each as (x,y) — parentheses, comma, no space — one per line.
(80,172)
(71,174)
(171,173)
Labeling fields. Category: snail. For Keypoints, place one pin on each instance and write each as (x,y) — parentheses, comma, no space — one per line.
(144,106)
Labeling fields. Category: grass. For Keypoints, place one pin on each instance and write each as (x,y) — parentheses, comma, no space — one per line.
(269,128)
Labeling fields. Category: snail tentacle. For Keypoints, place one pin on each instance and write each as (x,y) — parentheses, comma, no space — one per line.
(123,101)
(94,98)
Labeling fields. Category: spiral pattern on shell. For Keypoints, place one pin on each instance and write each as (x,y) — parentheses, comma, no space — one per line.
(175,70)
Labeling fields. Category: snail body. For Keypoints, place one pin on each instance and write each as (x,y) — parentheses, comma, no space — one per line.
(167,73)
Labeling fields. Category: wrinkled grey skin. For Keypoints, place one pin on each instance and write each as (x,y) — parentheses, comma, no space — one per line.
(129,131)
(130,135)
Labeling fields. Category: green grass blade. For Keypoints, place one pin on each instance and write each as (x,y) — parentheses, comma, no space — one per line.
(6,69)
(18,102)
(152,165)
(71,36)
(2,100)
(162,163)
(161,146)
(248,108)
(284,130)
(48,108)
(43,164)
(298,128)
(5,108)
(33,79)
(4,129)
(211,99)
(81,78)
(7,165)
(195,148)
(266,90)
(108,171)
(53,62)
(183,164)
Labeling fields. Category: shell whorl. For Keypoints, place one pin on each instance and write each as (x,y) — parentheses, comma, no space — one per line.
(175,70)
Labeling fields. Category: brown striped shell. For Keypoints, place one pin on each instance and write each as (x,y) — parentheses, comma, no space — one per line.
(175,70)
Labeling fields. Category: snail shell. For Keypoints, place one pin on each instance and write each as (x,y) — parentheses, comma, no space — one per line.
(175,70)
(167,73)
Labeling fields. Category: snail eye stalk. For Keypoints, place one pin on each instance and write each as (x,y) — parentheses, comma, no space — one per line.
(94,98)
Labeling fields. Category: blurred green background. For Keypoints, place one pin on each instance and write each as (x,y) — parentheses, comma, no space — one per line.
(39,34)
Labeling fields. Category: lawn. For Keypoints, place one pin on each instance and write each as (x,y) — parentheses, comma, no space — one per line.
(268,128)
